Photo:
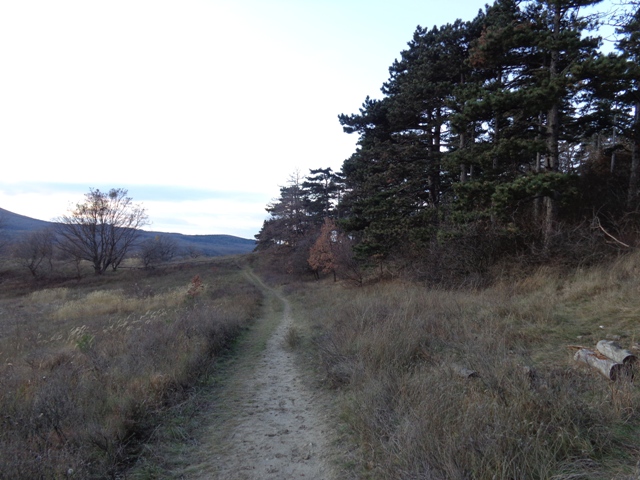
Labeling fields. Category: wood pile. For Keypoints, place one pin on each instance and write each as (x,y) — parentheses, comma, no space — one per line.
(609,359)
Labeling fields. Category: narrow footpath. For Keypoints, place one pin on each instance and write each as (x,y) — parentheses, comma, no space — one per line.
(269,422)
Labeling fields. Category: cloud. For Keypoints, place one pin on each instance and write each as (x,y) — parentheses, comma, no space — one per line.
(170,208)
(215,102)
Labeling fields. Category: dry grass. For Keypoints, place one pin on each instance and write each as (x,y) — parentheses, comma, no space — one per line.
(49,295)
(292,338)
(109,302)
(394,350)
(85,372)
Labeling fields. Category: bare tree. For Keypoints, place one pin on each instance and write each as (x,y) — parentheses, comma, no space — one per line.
(161,248)
(35,250)
(193,252)
(68,253)
(103,228)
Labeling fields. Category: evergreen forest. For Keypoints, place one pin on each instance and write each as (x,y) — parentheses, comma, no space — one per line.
(511,137)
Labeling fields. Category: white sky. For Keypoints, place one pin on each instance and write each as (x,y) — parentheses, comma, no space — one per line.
(200,108)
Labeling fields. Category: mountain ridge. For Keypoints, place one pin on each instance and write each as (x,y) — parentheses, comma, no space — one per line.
(15,225)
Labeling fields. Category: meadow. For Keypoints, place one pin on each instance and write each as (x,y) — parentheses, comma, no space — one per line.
(89,366)
(481,384)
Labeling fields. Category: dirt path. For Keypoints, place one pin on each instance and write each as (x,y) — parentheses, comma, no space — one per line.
(269,423)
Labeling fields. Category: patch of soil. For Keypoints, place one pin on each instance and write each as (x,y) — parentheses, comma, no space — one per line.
(269,422)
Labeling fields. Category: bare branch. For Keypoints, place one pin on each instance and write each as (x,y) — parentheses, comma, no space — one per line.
(103,228)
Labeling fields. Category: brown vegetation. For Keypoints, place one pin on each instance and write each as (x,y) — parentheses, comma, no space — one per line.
(87,368)
(393,350)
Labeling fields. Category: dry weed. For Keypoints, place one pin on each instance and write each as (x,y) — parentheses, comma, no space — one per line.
(108,302)
(527,413)
(292,338)
(49,295)
(78,404)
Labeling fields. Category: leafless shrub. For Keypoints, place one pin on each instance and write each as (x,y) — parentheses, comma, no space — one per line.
(193,252)
(35,251)
(159,249)
(140,291)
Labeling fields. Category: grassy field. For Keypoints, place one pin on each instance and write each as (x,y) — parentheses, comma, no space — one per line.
(393,352)
(88,366)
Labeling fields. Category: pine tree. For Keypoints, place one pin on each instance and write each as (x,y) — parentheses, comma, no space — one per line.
(289,219)
(396,180)
(629,45)
(322,189)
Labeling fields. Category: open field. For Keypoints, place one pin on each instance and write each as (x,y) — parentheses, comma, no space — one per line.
(88,365)
(392,350)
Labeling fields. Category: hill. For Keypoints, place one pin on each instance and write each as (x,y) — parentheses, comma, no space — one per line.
(15,226)
(209,245)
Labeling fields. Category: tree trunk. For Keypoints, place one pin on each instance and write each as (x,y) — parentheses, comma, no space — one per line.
(613,152)
(434,174)
(463,166)
(553,130)
(496,123)
(553,114)
(496,139)
(634,174)
(553,134)
(551,207)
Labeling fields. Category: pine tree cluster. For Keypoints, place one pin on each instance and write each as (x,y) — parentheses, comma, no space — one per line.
(510,134)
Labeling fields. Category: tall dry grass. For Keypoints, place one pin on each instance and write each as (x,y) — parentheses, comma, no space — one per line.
(78,398)
(395,352)
(109,302)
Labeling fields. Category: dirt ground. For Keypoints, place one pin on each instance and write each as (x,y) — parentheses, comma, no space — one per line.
(269,422)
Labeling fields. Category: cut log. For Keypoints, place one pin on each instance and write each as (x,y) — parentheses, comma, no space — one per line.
(607,367)
(616,353)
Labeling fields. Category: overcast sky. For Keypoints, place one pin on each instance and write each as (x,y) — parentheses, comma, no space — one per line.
(200,108)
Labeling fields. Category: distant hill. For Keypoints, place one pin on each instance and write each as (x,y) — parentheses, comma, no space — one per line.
(15,226)
(209,245)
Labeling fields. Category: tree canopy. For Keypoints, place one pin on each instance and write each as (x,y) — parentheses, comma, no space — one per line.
(513,127)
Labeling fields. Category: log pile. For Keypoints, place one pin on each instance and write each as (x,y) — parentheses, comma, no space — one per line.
(609,359)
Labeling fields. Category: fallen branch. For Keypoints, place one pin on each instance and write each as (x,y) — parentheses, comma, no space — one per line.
(599,225)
